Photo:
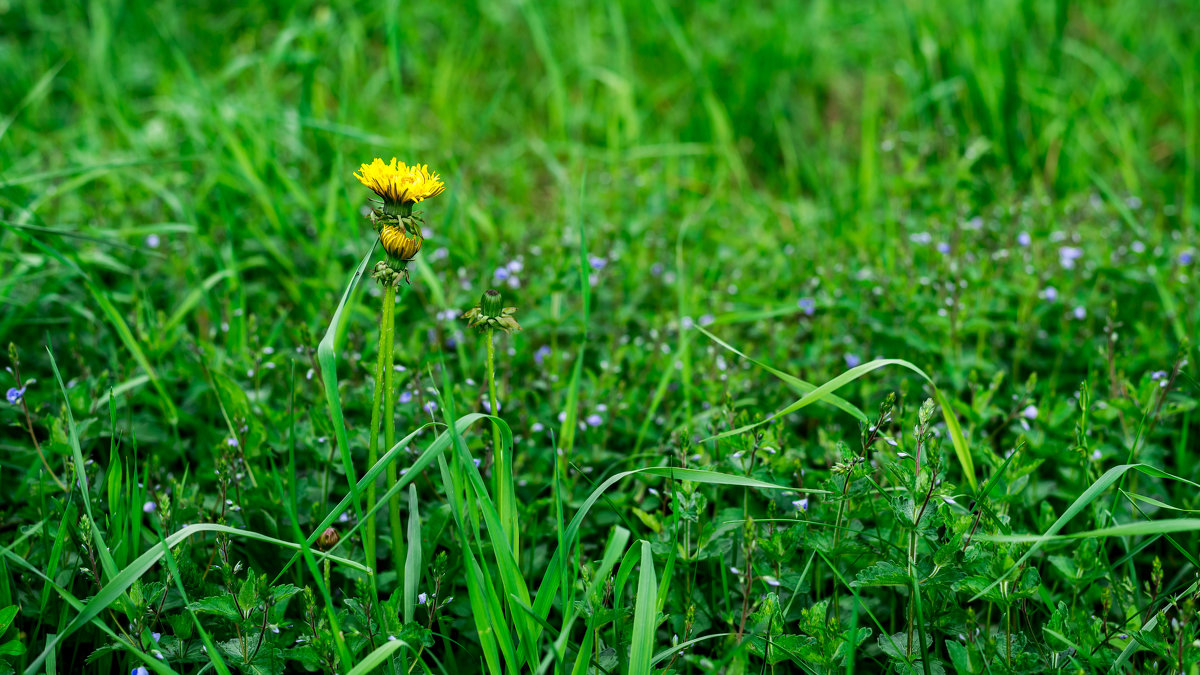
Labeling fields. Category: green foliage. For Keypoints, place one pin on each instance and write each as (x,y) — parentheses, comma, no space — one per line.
(856,337)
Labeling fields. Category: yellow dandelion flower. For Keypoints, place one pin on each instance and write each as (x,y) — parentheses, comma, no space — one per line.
(400,184)
(400,244)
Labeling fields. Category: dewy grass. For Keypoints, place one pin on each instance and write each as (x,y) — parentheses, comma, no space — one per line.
(856,337)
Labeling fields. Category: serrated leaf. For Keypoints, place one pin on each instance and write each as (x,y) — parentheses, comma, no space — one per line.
(220,605)
(897,645)
(883,573)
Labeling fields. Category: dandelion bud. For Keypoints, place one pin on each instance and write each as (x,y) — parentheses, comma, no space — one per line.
(400,244)
(328,539)
(490,313)
(490,304)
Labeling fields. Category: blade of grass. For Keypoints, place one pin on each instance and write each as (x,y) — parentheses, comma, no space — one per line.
(1100,485)
(961,450)
(327,357)
(644,613)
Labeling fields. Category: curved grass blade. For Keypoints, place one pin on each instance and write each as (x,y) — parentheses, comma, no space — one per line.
(821,393)
(117,586)
(1102,483)
(804,387)
(327,357)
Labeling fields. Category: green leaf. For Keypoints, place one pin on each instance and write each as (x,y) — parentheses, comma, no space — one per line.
(219,605)
(12,648)
(6,617)
(882,573)
(644,614)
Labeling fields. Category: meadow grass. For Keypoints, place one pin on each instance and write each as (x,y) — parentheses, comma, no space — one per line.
(856,337)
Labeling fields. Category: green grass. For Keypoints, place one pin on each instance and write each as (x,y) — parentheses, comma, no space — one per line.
(748,243)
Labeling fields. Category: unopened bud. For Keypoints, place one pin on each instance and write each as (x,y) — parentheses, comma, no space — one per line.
(328,539)
(491,304)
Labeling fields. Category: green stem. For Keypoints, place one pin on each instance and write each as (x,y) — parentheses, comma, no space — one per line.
(385,320)
(502,477)
(389,425)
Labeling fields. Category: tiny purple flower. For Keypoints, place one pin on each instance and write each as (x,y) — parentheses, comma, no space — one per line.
(1080,313)
(852,360)
(1186,258)
(1030,412)
(156,636)
(807,305)
(538,426)
(1067,255)
(1049,293)
(431,407)
(501,274)
(540,355)
(15,395)
(140,670)
(153,240)
(231,442)
(801,504)
(406,396)
(707,320)
(1024,239)
(656,269)
(149,507)
(594,420)
(422,598)
(943,247)
(596,262)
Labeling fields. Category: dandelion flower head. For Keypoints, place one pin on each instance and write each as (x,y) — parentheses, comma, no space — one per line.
(398,183)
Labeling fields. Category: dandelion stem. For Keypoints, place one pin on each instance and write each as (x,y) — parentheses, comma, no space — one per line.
(386,315)
(389,420)
(502,468)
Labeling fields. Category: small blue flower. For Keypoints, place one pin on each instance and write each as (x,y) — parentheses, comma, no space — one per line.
(149,507)
(231,442)
(1080,313)
(153,240)
(540,355)
(15,395)
(537,426)
(1050,293)
(801,504)
(421,598)
(707,320)
(140,670)
(852,360)
(501,274)
(594,420)
(1030,412)
(596,262)
(406,396)
(1024,239)
(807,305)
(943,247)
(656,269)
(431,407)
(1186,258)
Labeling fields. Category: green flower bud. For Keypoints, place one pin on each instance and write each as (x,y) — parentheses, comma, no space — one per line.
(491,313)
(490,304)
